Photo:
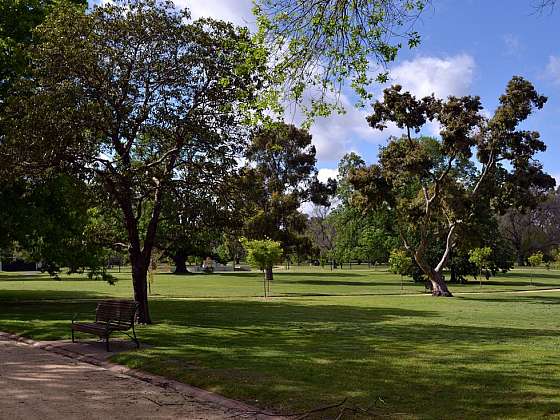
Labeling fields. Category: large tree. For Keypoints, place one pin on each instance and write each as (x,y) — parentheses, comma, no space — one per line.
(21,198)
(128,95)
(359,236)
(280,176)
(199,209)
(321,231)
(432,184)
(55,221)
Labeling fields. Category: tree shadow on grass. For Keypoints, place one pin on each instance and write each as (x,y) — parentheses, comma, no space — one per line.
(343,283)
(44,277)
(39,295)
(279,275)
(45,320)
(518,298)
(527,274)
(291,356)
(515,283)
(320,274)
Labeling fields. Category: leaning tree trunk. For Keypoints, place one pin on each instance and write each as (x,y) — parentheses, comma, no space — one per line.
(439,287)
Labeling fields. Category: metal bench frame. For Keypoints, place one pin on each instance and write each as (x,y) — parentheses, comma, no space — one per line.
(110,316)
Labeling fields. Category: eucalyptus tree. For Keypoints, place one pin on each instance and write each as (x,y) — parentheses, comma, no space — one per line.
(433,186)
(129,94)
(321,231)
(279,177)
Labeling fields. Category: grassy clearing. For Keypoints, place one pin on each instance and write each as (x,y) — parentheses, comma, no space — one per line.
(474,356)
(297,282)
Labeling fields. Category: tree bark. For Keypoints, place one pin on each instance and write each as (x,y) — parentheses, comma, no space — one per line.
(439,287)
(140,285)
(180,264)
(139,257)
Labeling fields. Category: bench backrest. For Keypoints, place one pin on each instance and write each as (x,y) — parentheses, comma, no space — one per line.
(119,312)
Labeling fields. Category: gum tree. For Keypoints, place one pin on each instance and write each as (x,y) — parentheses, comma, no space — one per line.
(433,186)
(127,96)
(279,177)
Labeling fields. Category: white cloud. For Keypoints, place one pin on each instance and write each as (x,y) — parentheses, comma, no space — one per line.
(552,70)
(441,76)
(513,45)
(236,11)
(334,136)
(326,173)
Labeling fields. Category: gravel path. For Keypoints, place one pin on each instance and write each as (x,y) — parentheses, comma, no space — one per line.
(38,384)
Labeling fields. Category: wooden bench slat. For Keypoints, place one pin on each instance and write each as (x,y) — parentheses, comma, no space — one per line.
(110,316)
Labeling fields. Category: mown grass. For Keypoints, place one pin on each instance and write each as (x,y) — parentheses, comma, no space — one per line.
(488,355)
(296,282)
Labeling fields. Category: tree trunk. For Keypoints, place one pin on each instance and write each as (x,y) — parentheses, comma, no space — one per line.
(439,287)
(268,273)
(140,284)
(180,262)
(454,278)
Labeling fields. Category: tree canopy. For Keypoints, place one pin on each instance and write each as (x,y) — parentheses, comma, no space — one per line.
(128,95)
(433,185)
(280,176)
(326,43)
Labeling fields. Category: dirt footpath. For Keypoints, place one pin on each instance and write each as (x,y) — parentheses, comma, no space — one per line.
(38,384)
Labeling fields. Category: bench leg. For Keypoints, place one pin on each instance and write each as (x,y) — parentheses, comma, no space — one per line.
(135,339)
(107,343)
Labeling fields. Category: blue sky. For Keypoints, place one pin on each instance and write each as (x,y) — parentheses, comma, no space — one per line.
(468,47)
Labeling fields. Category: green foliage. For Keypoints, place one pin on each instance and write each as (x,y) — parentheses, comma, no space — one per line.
(400,262)
(433,186)
(480,257)
(262,253)
(535,259)
(18,19)
(358,236)
(279,177)
(55,222)
(319,46)
(131,95)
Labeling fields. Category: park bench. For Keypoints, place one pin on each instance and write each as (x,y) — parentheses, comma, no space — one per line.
(110,316)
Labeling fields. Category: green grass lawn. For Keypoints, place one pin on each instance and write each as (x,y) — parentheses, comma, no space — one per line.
(329,336)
